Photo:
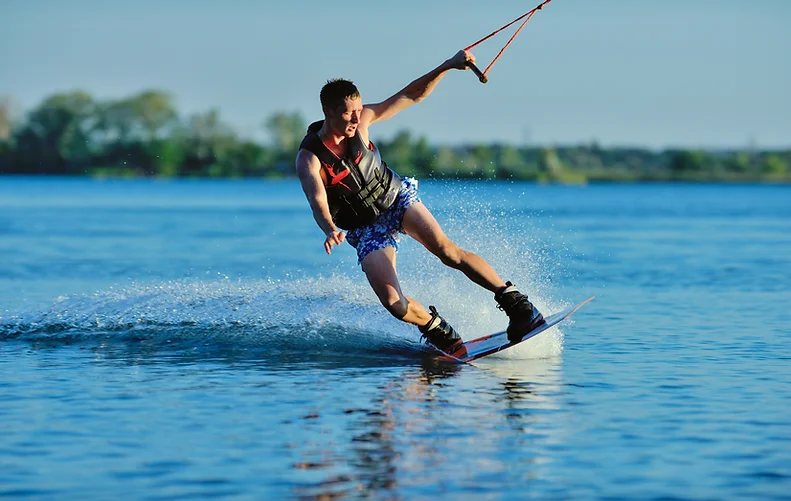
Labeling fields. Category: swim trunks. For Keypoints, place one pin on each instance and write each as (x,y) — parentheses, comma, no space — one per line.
(385,230)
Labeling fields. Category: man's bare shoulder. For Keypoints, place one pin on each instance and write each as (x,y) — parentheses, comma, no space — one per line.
(307,162)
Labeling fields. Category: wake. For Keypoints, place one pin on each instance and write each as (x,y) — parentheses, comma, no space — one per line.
(329,315)
(266,315)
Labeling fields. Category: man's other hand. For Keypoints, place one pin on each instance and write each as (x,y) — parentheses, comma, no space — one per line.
(334,237)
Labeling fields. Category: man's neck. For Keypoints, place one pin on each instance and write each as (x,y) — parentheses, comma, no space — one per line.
(326,135)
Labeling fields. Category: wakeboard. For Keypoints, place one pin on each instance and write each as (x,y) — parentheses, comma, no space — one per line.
(487,345)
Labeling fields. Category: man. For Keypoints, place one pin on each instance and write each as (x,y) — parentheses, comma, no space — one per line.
(350,188)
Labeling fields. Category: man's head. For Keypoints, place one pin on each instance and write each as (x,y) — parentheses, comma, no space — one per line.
(342,106)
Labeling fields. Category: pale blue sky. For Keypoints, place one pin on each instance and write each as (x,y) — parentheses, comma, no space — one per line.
(709,73)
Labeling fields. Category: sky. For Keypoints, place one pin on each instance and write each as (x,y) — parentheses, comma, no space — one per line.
(643,73)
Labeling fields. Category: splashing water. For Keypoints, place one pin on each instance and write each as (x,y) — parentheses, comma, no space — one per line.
(336,314)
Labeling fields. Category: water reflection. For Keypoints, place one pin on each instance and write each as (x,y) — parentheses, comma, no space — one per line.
(420,422)
(374,436)
(530,389)
(334,426)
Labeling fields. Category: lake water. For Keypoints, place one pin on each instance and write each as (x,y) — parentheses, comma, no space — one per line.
(190,339)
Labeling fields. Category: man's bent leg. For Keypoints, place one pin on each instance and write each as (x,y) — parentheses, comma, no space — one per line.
(420,224)
(379,266)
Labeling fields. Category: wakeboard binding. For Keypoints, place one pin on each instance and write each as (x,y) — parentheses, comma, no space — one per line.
(523,316)
(440,333)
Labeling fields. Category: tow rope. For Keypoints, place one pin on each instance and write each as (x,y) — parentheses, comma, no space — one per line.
(482,74)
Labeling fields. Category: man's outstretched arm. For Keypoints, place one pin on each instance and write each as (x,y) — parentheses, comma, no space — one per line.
(416,91)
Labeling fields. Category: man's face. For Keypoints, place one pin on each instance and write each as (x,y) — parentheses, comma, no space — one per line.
(345,119)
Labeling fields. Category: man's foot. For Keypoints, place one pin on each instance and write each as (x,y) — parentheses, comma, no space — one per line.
(440,333)
(524,317)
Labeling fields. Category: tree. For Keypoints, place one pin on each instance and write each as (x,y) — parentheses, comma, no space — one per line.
(398,153)
(286,130)
(208,142)
(5,134)
(5,119)
(775,167)
(480,162)
(144,117)
(56,137)
(424,158)
(154,114)
(739,162)
(685,164)
(140,132)
(510,162)
(550,165)
(446,163)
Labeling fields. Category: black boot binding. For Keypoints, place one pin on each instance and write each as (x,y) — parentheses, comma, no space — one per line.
(524,317)
(440,333)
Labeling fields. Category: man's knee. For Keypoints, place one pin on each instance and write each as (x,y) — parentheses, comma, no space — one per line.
(397,306)
(450,254)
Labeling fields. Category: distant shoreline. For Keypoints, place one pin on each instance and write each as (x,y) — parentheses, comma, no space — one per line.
(597,181)
(143,135)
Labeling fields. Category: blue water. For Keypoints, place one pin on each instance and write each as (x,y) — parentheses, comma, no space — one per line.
(190,339)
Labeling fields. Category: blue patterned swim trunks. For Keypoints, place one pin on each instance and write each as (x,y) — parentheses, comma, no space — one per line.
(384,232)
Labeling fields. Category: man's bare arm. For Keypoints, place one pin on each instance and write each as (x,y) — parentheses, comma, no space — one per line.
(308,168)
(415,92)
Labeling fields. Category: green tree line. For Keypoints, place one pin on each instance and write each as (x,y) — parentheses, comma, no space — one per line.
(72,133)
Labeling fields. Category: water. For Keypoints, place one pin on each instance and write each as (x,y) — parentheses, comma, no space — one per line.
(189,339)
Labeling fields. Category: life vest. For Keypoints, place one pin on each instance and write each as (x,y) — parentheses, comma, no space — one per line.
(359,185)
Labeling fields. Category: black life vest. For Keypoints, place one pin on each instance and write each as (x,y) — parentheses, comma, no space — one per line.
(359,185)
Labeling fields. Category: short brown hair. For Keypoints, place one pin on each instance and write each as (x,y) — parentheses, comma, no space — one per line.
(336,91)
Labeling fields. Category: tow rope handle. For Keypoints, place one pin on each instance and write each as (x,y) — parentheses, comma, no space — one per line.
(482,74)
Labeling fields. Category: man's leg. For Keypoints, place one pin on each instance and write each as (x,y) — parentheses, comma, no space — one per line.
(380,268)
(420,224)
